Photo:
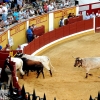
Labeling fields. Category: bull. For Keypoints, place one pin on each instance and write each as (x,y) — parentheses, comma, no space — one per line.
(43,59)
(33,66)
(87,63)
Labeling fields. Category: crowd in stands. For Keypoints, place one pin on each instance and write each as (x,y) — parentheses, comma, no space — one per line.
(13,12)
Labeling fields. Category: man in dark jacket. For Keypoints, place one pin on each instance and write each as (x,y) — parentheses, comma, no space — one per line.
(7,69)
(30,35)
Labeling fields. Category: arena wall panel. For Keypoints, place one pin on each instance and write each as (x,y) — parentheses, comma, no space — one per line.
(36,44)
(39,30)
(66,30)
(41,41)
(52,35)
(27,49)
(59,32)
(31,47)
(46,38)
(3,56)
(80,26)
(72,28)
(88,24)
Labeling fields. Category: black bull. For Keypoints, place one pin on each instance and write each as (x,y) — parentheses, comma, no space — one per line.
(33,66)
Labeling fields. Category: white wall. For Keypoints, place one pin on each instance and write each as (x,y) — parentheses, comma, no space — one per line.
(82,2)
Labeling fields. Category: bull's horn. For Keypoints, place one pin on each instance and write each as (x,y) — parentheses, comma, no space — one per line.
(73,57)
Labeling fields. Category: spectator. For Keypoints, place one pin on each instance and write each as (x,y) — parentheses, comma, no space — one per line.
(67,2)
(0,10)
(12,4)
(21,47)
(2,24)
(33,27)
(73,15)
(8,69)
(1,29)
(50,7)
(31,12)
(4,12)
(87,16)
(1,1)
(45,7)
(38,11)
(35,3)
(0,47)
(6,22)
(62,5)
(61,23)
(80,14)
(26,14)
(6,1)
(7,47)
(30,35)
(92,15)
(70,15)
(16,15)
(98,13)
(20,2)
(21,14)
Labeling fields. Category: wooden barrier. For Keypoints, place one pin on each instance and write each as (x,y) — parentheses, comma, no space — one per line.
(97,24)
(57,34)
(39,30)
(3,56)
(11,52)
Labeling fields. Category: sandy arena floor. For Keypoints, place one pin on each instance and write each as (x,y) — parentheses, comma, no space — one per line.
(68,82)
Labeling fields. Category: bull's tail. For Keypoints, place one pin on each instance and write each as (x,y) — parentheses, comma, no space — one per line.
(51,64)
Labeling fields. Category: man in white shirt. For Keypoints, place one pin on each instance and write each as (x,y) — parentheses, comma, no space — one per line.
(21,47)
(4,12)
(98,13)
(50,7)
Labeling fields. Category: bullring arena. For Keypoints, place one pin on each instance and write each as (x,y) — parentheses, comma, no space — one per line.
(77,38)
(67,82)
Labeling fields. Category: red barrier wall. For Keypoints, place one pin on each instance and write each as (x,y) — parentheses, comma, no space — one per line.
(39,30)
(97,24)
(74,27)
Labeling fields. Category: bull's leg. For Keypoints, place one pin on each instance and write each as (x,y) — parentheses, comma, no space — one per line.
(86,75)
(91,74)
(27,72)
(38,73)
(42,73)
(50,72)
(21,73)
